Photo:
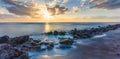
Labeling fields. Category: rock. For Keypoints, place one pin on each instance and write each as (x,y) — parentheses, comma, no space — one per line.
(37,41)
(66,41)
(19,40)
(47,41)
(55,32)
(9,52)
(4,39)
(34,44)
(118,54)
(24,56)
(50,46)
(64,46)
(85,35)
(31,46)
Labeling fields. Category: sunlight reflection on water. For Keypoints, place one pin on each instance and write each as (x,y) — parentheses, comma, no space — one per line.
(47,27)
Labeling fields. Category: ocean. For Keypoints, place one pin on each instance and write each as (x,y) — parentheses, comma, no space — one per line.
(20,29)
(34,30)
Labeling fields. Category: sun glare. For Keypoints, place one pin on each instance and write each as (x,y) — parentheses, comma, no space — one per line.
(47,16)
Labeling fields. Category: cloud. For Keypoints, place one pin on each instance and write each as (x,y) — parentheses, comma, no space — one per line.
(57,10)
(101,17)
(28,8)
(7,16)
(106,4)
(21,8)
(75,9)
(53,3)
(65,1)
(83,2)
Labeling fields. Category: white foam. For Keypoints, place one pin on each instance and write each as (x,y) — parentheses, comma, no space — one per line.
(99,36)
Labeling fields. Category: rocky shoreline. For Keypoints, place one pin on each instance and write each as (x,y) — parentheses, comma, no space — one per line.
(18,47)
(86,33)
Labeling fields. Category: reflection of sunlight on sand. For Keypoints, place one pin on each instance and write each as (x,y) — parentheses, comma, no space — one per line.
(45,56)
(48,57)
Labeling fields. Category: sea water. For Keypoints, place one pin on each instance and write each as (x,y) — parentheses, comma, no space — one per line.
(34,30)
(20,29)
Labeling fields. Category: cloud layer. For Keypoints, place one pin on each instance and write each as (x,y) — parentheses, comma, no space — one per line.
(57,10)
(57,7)
(21,8)
(106,4)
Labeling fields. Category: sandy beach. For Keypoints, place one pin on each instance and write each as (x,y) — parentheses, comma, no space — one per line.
(106,47)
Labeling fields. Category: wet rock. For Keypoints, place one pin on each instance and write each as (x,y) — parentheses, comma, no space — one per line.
(47,41)
(24,56)
(64,46)
(50,46)
(19,40)
(31,46)
(118,54)
(9,52)
(66,41)
(85,35)
(34,48)
(4,39)
(37,41)
(55,32)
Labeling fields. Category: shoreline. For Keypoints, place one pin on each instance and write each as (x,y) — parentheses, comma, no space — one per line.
(21,45)
(85,33)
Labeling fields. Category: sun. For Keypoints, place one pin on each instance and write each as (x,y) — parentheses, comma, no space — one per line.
(47,15)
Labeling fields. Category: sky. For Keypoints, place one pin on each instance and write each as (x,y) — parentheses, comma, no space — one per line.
(59,10)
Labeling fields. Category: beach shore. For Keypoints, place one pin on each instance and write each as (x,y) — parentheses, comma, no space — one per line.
(107,47)
(101,43)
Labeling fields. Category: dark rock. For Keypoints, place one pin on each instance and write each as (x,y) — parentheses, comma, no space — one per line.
(9,52)
(37,41)
(85,35)
(4,39)
(23,56)
(19,40)
(64,46)
(50,46)
(66,41)
(118,54)
(55,32)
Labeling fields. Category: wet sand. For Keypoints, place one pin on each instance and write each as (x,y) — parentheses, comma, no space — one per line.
(107,47)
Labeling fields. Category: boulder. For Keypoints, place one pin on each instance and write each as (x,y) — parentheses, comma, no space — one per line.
(50,46)
(66,41)
(4,39)
(9,52)
(19,40)
(64,46)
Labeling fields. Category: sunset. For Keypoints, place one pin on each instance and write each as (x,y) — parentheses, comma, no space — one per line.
(59,29)
(59,10)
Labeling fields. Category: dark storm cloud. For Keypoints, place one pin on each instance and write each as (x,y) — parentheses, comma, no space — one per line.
(57,10)
(21,9)
(106,4)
